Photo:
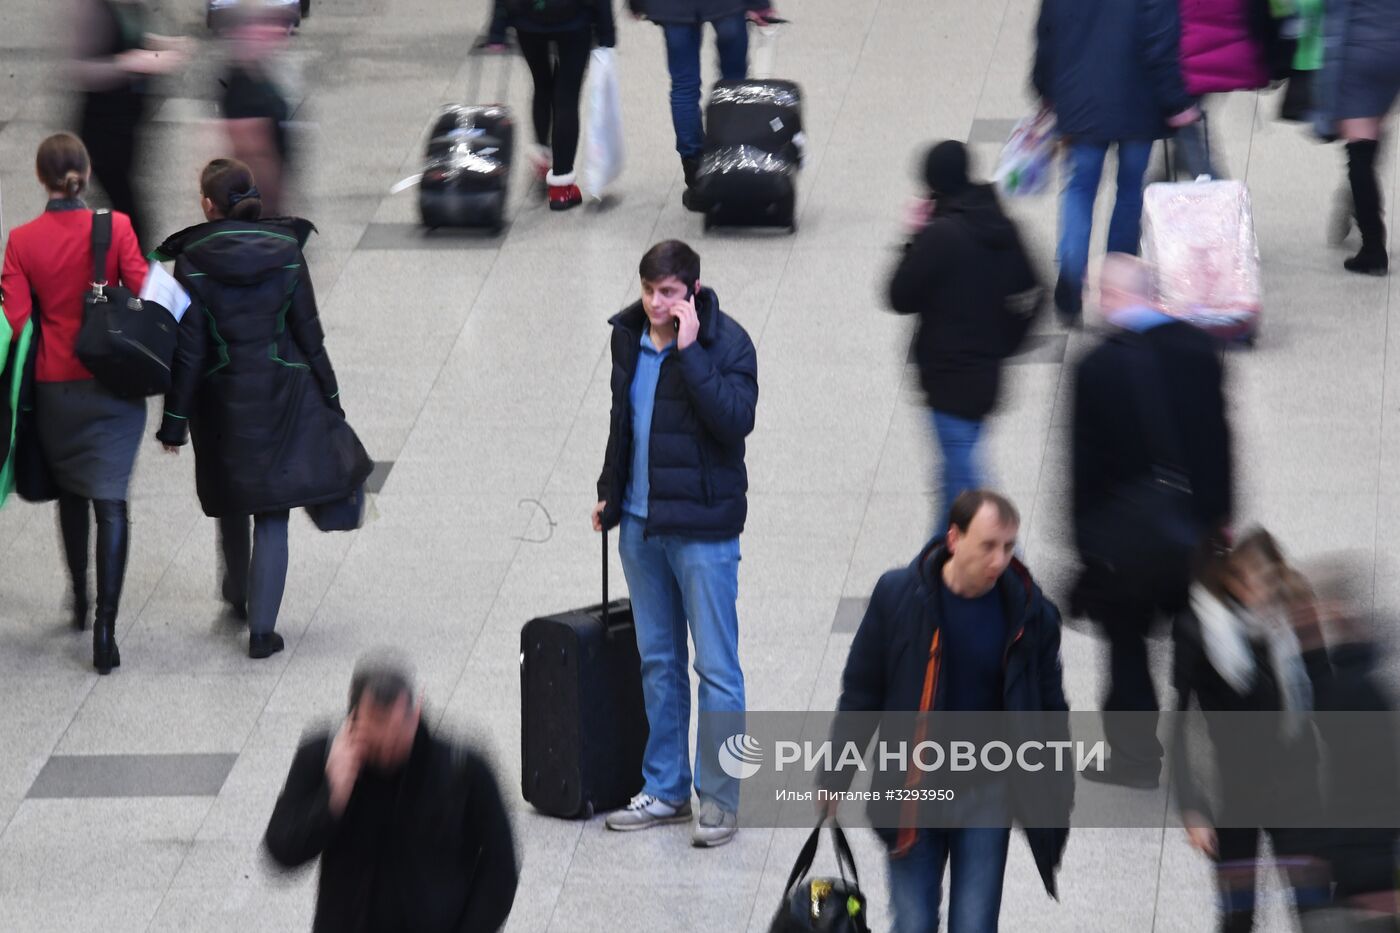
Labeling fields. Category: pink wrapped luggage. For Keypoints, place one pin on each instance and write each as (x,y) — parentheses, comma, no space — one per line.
(1200,237)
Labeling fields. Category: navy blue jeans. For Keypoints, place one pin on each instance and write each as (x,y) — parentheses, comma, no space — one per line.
(683,586)
(978,857)
(683,59)
(957,440)
(1077,204)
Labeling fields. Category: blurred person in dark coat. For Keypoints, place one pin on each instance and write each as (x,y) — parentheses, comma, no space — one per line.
(966,274)
(255,106)
(1112,447)
(1111,72)
(410,829)
(251,380)
(116,58)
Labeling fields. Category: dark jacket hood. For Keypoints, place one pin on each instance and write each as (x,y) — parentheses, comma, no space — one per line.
(979,210)
(634,317)
(238,252)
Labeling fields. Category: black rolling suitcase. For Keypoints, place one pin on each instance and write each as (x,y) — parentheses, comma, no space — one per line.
(466,170)
(583,724)
(753,151)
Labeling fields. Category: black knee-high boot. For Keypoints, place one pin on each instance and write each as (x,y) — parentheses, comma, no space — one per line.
(1366,195)
(113,532)
(74,527)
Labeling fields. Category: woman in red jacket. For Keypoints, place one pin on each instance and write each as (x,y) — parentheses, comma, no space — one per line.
(88,435)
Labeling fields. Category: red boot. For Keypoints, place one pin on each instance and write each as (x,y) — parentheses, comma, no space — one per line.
(563,193)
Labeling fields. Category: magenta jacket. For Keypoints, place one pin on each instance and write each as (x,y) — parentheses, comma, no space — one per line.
(1218,51)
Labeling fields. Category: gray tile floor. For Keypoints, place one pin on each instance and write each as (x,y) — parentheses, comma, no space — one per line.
(477,368)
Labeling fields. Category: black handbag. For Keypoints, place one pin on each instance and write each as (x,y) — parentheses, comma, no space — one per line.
(127,344)
(346,514)
(33,480)
(1146,530)
(822,905)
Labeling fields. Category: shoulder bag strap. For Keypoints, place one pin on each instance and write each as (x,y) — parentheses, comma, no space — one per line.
(101,241)
(804,859)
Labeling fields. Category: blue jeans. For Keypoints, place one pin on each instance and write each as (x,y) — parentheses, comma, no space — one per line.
(957,440)
(671,580)
(683,60)
(1077,204)
(974,893)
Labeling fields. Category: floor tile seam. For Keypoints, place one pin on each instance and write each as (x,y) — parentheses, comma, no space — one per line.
(841,107)
(1161,855)
(563,881)
(93,684)
(987,72)
(1385,367)
(515,555)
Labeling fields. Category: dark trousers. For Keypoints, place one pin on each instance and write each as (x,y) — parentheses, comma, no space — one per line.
(1130,703)
(557,62)
(109,127)
(255,573)
(1237,859)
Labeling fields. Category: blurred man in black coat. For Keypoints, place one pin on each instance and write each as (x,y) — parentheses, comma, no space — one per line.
(411,831)
(1149,359)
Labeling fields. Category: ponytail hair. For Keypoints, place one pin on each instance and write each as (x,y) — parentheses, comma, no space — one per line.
(229,184)
(63,165)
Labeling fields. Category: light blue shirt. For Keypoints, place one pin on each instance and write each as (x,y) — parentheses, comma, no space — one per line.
(1141,319)
(643,397)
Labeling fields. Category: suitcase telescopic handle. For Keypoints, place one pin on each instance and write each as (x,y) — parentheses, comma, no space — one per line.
(604,536)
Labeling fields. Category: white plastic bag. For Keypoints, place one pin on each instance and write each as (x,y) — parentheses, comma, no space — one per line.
(602,160)
(1025,164)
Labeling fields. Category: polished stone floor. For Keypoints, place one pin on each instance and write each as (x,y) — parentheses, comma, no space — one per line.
(475,369)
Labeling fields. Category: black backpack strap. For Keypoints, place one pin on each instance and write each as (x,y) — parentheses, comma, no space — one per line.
(101,242)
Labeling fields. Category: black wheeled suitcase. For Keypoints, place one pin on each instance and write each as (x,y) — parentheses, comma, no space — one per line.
(466,169)
(753,152)
(583,724)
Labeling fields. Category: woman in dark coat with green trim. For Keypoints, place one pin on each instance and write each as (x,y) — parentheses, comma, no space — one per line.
(253,384)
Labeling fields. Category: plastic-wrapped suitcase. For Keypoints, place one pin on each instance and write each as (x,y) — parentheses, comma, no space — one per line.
(583,723)
(1200,237)
(466,170)
(753,152)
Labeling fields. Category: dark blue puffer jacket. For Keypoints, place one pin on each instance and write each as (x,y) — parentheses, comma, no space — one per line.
(1111,69)
(675,12)
(705,401)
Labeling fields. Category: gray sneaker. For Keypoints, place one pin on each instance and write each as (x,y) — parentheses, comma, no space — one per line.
(646,811)
(715,826)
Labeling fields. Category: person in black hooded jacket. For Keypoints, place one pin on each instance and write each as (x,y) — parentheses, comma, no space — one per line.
(967,276)
(251,380)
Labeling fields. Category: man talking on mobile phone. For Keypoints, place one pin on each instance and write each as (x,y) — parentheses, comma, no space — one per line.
(410,829)
(684,390)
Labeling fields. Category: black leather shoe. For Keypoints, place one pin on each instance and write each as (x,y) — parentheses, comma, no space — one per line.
(1369,262)
(264,645)
(1135,778)
(1069,304)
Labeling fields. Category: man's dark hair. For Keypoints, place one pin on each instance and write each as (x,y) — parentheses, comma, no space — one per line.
(670,257)
(383,680)
(970,502)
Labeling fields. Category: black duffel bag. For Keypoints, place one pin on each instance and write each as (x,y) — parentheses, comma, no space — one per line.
(127,344)
(1146,531)
(822,905)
